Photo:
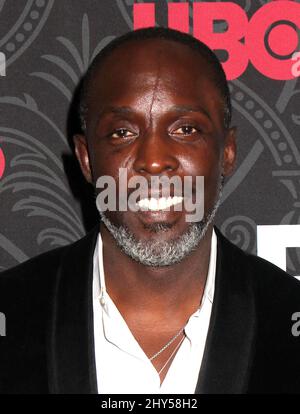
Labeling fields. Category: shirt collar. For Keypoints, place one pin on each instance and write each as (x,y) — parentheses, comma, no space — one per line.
(211,275)
(99,287)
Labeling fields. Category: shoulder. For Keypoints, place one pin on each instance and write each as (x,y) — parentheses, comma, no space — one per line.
(34,269)
(271,283)
(41,270)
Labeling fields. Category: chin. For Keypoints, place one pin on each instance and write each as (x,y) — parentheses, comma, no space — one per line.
(158,245)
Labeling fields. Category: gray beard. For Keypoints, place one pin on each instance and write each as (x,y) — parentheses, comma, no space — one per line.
(157,253)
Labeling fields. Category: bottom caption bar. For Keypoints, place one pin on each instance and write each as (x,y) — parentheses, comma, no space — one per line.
(132,403)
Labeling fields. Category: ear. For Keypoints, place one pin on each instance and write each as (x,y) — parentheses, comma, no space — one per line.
(229,154)
(82,154)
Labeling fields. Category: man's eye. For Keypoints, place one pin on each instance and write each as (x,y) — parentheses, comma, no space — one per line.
(122,133)
(185,130)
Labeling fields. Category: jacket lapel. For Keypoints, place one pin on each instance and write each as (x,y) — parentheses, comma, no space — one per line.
(71,337)
(228,350)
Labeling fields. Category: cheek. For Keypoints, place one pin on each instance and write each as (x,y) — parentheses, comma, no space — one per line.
(107,161)
(206,163)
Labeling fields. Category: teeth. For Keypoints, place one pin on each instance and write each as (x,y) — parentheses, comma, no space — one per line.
(162,203)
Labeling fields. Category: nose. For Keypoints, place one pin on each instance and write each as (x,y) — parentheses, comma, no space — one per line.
(154,155)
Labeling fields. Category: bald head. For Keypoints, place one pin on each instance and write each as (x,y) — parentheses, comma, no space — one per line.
(162,43)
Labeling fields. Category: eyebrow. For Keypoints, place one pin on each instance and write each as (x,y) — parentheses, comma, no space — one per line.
(189,108)
(125,110)
(118,110)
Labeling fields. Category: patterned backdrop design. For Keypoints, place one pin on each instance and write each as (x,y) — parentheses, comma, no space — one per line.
(48,45)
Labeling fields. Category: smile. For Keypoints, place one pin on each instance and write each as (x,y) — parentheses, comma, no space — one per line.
(161,203)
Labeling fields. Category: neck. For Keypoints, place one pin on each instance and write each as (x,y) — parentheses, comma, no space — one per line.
(155,292)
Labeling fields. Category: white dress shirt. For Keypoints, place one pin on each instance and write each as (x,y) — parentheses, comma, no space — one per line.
(121,364)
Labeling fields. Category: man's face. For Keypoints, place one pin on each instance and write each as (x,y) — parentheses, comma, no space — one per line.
(154,110)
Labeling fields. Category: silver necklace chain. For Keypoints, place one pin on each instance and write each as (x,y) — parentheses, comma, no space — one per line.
(171,356)
(167,345)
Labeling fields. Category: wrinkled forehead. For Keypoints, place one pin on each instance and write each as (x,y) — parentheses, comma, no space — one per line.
(174,63)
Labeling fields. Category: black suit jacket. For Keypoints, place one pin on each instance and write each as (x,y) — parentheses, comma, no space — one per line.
(49,344)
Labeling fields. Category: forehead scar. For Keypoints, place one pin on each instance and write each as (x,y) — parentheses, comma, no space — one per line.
(156,85)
